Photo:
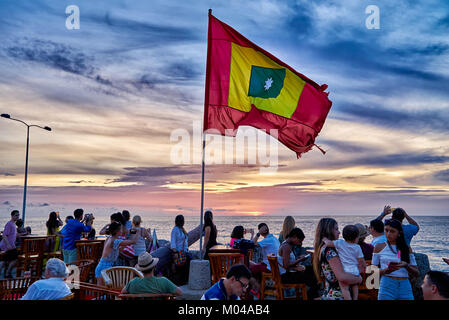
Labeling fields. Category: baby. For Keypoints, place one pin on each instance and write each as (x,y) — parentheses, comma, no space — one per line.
(351,257)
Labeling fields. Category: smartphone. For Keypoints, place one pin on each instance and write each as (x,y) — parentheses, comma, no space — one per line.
(133,231)
(392,264)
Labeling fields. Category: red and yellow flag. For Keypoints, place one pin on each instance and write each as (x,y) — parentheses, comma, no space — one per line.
(246,85)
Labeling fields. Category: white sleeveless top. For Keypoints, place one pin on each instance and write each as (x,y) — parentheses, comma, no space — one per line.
(386,256)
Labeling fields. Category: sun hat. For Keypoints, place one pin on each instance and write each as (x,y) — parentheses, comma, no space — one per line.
(146,262)
(363,232)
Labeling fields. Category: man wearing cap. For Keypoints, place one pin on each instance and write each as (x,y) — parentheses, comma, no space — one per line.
(367,249)
(150,284)
(54,286)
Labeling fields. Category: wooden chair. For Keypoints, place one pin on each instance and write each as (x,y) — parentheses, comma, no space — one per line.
(147,296)
(220,264)
(51,252)
(89,291)
(300,288)
(32,257)
(264,290)
(116,278)
(364,292)
(14,289)
(85,268)
(69,297)
(89,250)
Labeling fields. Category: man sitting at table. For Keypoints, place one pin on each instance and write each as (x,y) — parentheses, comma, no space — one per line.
(8,244)
(54,286)
(149,283)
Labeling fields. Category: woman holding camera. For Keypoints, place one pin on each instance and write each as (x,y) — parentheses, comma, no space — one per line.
(397,264)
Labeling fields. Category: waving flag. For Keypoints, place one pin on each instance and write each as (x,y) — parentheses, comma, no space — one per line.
(246,85)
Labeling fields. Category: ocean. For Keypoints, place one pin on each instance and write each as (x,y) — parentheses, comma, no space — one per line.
(432,238)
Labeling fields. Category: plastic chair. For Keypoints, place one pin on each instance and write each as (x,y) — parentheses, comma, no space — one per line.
(14,289)
(300,288)
(116,278)
(32,257)
(220,263)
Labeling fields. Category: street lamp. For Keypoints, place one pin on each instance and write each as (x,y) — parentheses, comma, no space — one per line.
(7,116)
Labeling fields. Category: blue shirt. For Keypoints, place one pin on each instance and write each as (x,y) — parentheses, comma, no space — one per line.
(48,289)
(72,232)
(179,240)
(410,230)
(218,292)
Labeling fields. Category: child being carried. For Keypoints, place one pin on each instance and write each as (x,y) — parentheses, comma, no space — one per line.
(351,257)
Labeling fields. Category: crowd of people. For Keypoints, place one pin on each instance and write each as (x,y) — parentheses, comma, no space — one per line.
(332,271)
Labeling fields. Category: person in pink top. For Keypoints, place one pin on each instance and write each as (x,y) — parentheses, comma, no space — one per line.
(8,244)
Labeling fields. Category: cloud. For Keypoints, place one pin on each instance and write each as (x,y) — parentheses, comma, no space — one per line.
(6,203)
(442,175)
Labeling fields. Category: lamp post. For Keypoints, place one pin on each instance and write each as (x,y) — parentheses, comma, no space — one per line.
(7,116)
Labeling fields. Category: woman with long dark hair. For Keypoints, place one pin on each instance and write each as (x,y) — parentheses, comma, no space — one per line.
(53,223)
(396,263)
(327,264)
(210,233)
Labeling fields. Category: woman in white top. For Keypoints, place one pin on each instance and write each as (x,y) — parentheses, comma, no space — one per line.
(396,263)
(142,234)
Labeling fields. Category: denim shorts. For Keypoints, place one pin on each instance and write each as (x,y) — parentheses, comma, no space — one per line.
(101,266)
(70,255)
(392,289)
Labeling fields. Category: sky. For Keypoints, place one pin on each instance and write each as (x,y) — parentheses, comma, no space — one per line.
(115,90)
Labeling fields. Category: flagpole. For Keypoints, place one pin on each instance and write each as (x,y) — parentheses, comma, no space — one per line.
(206,104)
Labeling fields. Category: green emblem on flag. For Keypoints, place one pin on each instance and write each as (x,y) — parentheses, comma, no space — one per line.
(266,82)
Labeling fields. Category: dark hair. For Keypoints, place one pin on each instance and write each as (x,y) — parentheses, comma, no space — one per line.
(400,241)
(208,216)
(14,212)
(78,213)
(441,281)
(118,217)
(398,214)
(126,215)
(350,232)
(52,223)
(377,225)
(325,228)
(69,217)
(239,271)
(113,228)
(179,222)
(263,224)
(237,232)
(19,223)
(296,232)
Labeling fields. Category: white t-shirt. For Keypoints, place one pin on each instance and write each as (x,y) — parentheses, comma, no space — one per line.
(349,253)
(269,246)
